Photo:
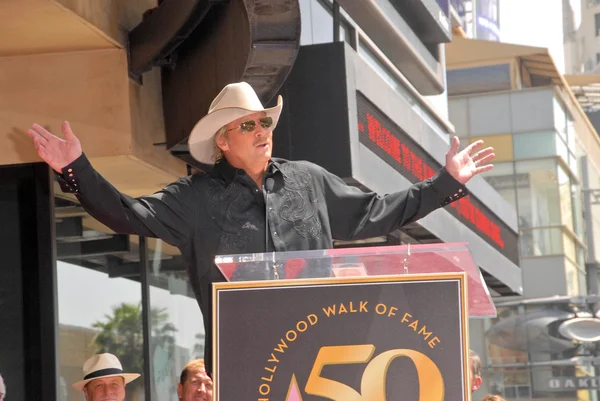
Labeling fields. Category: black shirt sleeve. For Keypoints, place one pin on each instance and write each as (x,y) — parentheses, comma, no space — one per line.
(355,214)
(168,214)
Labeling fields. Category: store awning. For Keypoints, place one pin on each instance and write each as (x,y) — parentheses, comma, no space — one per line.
(586,88)
(538,63)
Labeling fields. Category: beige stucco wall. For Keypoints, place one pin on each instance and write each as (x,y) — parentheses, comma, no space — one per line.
(67,60)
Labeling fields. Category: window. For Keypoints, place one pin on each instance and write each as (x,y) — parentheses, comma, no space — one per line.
(348,33)
(306,21)
(502,179)
(369,56)
(535,144)
(541,241)
(445,6)
(485,79)
(597,18)
(594,184)
(565,190)
(177,332)
(517,392)
(457,112)
(537,193)
(560,118)
(99,298)
(572,277)
(374,61)
(100,305)
(322,26)
(317,23)
(577,210)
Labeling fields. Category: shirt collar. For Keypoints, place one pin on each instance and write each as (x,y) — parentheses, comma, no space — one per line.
(229,173)
(274,167)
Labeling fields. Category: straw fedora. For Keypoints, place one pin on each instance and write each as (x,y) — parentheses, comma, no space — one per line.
(101,366)
(235,101)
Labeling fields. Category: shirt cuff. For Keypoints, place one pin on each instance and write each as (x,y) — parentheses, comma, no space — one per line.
(447,187)
(72,173)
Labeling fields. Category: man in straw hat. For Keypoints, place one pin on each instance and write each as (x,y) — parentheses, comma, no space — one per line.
(103,379)
(250,202)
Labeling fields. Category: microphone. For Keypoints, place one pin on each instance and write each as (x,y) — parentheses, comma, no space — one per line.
(269,183)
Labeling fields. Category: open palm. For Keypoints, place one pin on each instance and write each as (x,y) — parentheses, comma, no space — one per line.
(466,164)
(55,151)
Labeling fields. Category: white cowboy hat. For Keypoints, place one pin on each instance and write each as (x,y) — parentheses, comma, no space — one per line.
(235,101)
(101,366)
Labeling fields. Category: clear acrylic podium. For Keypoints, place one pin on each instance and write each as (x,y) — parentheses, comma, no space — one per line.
(368,261)
(360,324)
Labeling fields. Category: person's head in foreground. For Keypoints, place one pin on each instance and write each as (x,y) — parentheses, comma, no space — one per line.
(475,370)
(194,383)
(104,379)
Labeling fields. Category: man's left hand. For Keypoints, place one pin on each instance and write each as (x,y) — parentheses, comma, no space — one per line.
(467,164)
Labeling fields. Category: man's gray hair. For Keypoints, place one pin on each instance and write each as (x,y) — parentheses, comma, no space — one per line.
(2,388)
(217,152)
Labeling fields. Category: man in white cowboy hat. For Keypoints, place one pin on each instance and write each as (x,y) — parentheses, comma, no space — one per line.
(250,202)
(104,379)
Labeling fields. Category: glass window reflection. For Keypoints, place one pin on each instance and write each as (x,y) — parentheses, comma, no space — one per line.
(537,193)
(306,21)
(502,179)
(541,241)
(566,198)
(99,298)
(322,23)
(177,332)
(538,144)
(100,305)
(560,118)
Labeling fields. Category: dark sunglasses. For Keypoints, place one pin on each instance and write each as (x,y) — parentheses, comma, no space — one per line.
(250,125)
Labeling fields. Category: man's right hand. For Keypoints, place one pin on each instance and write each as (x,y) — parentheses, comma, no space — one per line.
(57,152)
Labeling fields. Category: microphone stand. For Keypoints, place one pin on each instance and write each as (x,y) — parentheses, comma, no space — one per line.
(269,183)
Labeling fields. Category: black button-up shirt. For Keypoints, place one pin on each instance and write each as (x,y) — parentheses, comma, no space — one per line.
(224,212)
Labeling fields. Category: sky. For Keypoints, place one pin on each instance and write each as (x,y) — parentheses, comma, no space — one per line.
(535,23)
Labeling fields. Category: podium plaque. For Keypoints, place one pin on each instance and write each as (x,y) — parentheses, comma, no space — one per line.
(345,324)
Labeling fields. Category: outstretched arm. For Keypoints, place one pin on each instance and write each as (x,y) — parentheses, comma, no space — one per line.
(167,214)
(354,214)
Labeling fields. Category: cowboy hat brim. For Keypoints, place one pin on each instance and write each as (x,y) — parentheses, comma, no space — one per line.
(128,377)
(200,141)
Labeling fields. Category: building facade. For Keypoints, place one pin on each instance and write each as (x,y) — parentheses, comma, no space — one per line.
(479,19)
(581,36)
(355,115)
(546,165)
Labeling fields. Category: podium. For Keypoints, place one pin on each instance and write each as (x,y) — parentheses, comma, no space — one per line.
(359,324)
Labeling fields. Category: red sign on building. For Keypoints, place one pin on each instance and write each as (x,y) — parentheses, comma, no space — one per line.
(389,142)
